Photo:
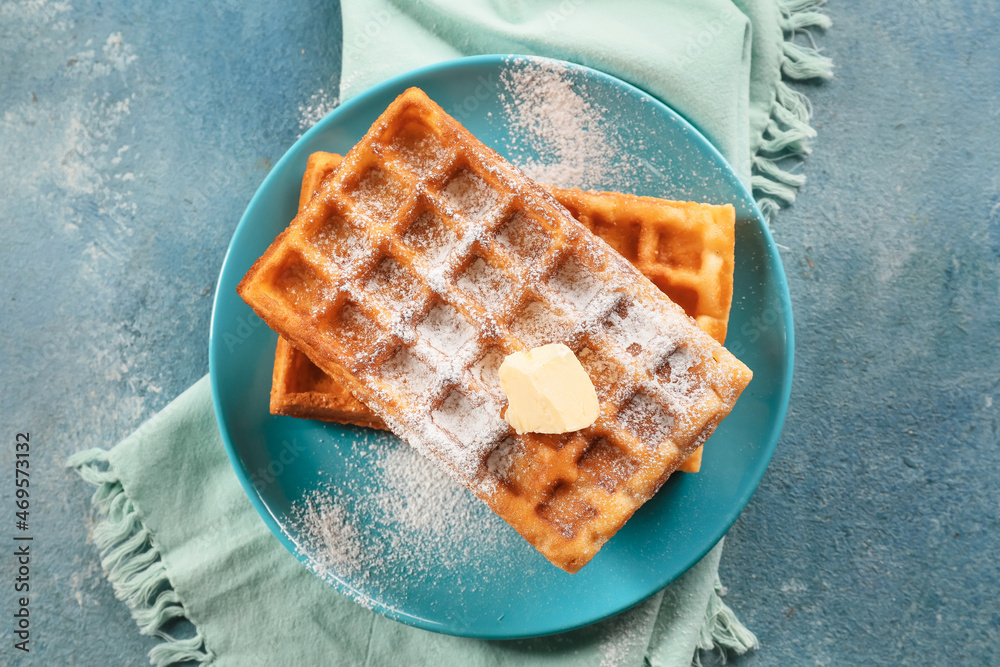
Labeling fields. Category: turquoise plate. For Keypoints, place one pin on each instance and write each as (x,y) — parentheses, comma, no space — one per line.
(450,565)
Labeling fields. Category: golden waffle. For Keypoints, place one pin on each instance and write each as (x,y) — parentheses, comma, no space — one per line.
(685,248)
(424,260)
(298,387)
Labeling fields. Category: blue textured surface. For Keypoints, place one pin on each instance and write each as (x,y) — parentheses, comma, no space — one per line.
(873,536)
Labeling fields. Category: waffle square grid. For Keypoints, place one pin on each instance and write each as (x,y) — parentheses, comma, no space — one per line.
(426,258)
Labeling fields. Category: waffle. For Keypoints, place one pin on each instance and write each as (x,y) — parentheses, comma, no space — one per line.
(424,260)
(298,387)
(685,248)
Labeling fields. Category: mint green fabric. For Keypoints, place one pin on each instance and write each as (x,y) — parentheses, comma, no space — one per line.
(719,63)
(692,54)
(177,536)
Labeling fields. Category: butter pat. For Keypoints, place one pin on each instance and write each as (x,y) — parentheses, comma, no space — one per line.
(547,391)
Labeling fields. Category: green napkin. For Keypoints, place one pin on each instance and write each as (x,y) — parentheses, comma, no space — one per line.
(719,63)
(179,539)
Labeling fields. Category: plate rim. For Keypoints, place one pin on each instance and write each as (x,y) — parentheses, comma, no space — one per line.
(772,256)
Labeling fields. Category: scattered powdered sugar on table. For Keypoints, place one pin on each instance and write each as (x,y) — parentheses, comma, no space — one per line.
(319,105)
(417,495)
(558,137)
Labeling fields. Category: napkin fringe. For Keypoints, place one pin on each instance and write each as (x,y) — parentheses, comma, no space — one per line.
(722,632)
(788,133)
(133,564)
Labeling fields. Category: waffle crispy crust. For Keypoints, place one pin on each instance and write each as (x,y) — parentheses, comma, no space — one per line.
(298,387)
(687,249)
(424,260)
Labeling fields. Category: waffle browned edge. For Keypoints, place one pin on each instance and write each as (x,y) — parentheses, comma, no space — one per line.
(328,400)
(571,554)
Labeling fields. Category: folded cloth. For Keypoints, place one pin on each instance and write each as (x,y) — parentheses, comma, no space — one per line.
(178,538)
(719,63)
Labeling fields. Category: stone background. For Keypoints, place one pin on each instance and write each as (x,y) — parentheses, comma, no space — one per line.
(133,135)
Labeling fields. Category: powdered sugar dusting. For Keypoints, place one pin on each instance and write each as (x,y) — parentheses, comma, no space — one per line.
(424,508)
(645,419)
(445,329)
(393,521)
(635,324)
(603,372)
(576,284)
(393,286)
(410,374)
(623,640)
(333,542)
(682,386)
(487,369)
(470,196)
(318,105)
(557,136)
(419,150)
(474,430)
(378,193)
(454,416)
(338,242)
(502,458)
(488,285)
(521,236)
(538,325)
(432,237)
